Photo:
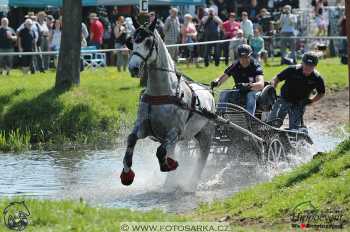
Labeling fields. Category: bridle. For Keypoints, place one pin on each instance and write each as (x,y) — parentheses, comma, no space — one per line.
(145,58)
(144,64)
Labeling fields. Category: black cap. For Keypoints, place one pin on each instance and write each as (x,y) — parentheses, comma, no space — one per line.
(310,59)
(244,50)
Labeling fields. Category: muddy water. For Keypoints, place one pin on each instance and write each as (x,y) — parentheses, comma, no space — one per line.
(94,176)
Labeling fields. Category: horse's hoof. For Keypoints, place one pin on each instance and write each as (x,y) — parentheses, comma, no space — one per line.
(169,165)
(127,177)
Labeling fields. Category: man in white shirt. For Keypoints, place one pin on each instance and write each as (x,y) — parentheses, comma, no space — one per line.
(287,22)
(172,32)
(246,26)
(44,45)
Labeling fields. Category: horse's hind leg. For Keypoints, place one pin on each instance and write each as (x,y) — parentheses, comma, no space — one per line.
(127,175)
(204,138)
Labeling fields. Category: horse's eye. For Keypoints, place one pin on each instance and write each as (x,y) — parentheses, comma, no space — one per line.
(148,43)
(138,39)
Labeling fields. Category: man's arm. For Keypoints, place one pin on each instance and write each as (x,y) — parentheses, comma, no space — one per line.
(167,24)
(19,44)
(205,19)
(10,36)
(274,82)
(218,81)
(259,84)
(282,76)
(317,97)
(84,30)
(92,30)
(218,20)
(321,90)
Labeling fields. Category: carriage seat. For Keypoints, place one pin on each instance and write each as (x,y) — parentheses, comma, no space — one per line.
(265,98)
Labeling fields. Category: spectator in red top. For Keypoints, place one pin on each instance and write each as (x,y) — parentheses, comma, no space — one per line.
(96,31)
(230,28)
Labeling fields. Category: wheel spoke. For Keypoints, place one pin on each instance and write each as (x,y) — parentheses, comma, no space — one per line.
(275,153)
(275,148)
(280,150)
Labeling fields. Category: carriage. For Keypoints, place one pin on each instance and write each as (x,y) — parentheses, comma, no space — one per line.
(249,139)
(237,131)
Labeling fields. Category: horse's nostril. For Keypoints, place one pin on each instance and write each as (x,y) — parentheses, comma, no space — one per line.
(136,70)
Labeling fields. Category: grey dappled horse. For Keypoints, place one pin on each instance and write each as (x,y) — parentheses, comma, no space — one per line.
(165,109)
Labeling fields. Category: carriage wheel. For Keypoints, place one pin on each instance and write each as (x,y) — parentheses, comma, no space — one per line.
(276,153)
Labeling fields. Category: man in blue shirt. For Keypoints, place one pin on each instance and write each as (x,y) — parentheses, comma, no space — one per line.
(248,76)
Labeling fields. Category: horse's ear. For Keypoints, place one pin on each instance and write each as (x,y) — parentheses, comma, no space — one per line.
(152,26)
(135,23)
(129,43)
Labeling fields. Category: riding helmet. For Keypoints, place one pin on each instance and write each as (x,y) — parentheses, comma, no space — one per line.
(310,59)
(244,50)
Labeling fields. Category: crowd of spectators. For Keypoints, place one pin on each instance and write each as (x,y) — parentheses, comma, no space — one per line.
(42,32)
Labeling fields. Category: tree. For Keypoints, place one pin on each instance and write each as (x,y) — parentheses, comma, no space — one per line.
(68,70)
(347,12)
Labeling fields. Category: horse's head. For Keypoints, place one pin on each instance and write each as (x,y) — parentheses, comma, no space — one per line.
(144,48)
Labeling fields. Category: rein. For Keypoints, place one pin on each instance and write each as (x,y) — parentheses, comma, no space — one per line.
(165,99)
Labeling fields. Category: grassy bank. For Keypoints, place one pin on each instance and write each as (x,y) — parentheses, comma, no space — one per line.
(324,181)
(32,112)
(75,216)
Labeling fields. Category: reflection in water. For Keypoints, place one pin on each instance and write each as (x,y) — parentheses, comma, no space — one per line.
(94,176)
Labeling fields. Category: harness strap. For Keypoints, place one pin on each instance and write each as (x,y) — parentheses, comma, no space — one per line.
(161,100)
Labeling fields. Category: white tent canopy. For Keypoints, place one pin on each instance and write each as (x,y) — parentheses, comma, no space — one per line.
(4,5)
(151,2)
(58,3)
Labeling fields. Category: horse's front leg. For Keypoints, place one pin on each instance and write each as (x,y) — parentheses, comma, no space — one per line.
(165,150)
(127,176)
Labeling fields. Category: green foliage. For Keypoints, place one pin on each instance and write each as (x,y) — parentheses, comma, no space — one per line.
(94,112)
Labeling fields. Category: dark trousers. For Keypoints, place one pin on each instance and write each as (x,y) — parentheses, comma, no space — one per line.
(226,51)
(38,63)
(295,112)
(208,50)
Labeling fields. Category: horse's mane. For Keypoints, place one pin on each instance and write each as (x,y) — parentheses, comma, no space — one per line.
(164,52)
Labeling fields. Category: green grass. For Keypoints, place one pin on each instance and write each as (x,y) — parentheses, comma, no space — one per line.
(334,73)
(324,181)
(94,112)
(14,141)
(78,216)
